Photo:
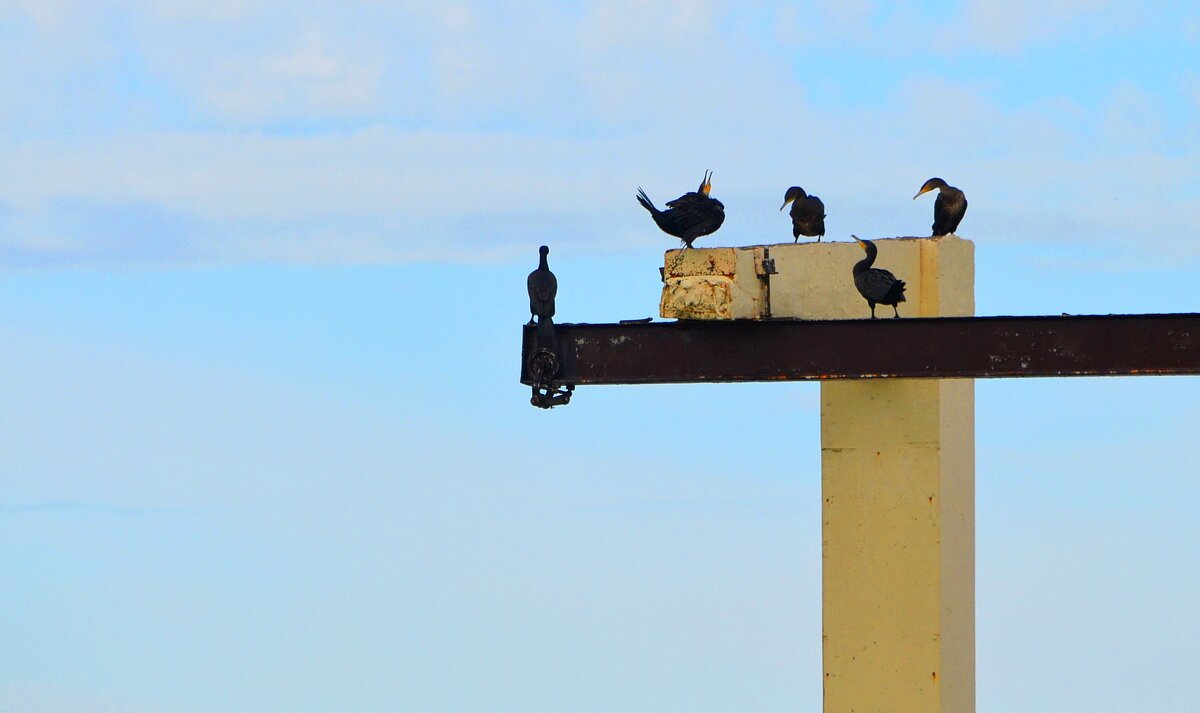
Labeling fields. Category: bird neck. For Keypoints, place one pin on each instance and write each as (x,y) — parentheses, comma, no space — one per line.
(542,263)
(866,262)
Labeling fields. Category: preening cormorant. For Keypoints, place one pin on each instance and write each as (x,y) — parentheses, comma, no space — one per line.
(542,286)
(808,213)
(689,216)
(875,285)
(948,209)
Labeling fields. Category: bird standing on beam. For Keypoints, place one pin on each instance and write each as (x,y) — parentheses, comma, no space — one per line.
(948,209)
(808,213)
(543,287)
(689,216)
(875,285)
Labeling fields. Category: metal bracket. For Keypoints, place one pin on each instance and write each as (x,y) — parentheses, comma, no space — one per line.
(768,263)
(543,366)
(766,268)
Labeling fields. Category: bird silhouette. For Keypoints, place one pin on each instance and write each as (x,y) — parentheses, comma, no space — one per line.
(543,287)
(808,213)
(689,216)
(948,209)
(875,285)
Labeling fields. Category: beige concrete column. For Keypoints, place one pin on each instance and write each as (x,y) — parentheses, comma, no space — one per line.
(897,469)
(898,517)
(898,545)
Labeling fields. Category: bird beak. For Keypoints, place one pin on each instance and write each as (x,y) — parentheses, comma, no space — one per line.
(707,185)
(861,244)
(922,192)
(789,200)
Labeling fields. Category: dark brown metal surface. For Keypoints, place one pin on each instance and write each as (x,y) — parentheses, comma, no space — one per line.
(952,347)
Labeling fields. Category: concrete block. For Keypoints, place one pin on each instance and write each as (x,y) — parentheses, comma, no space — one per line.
(815,280)
(714,283)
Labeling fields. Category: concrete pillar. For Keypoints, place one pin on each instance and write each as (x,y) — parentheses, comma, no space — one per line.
(897,477)
(898,554)
(898,517)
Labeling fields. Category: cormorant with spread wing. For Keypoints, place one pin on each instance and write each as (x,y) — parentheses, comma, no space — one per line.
(948,209)
(689,216)
(808,213)
(875,285)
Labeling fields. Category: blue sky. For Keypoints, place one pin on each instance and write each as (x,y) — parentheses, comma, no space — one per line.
(261,276)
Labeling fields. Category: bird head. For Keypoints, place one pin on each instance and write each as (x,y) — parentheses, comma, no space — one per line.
(866,245)
(931,184)
(706,184)
(544,251)
(793,193)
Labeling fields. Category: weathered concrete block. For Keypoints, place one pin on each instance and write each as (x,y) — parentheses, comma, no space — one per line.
(814,280)
(714,283)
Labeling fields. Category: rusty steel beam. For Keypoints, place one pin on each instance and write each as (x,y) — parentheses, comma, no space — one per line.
(801,350)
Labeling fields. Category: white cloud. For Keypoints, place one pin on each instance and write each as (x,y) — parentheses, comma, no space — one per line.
(190,10)
(46,15)
(542,122)
(971,27)
(306,78)
(1013,26)
(55,699)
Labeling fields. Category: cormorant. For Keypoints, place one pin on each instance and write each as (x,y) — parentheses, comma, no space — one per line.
(542,286)
(948,209)
(808,213)
(875,285)
(689,216)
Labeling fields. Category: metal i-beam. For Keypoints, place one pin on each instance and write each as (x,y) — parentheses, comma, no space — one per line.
(946,347)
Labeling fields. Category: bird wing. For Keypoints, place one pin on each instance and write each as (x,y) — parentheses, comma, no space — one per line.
(948,211)
(684,199)
(876,283)
(692,215)
(960,210)
(941,215)
(543,286)
(808,216)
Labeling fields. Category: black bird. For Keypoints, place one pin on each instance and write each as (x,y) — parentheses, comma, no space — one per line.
(543,286)
(948,209)
(689,216)
(875,285)
(808,213)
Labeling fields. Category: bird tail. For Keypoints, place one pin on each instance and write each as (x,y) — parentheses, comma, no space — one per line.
(900,284)
(645,201)
(545,329)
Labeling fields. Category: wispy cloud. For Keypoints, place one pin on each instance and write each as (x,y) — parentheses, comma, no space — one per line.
(1012,27)
(52,507)
(390,133)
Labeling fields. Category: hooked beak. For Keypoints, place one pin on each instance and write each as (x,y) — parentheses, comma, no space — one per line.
(922,192)
(861,244)
(706,186)
(789,200)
